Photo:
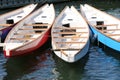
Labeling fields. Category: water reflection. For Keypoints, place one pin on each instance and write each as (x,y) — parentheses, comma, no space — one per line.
(103,67)
(2,67)
(19,66)
(22,67)
(70,71)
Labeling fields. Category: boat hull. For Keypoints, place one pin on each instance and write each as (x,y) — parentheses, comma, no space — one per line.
(28,48)
(83,51)
(80,54)
(106,40)
(5,32)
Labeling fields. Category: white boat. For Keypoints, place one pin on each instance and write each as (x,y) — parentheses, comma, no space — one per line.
(9,19)
(70,35)
(105,26)
(31,33)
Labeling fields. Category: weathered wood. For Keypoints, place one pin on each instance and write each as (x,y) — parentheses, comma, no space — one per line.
(69,27)
(106,25)
(22,38)
(63,52)
(37,24)
(67,49)
(111,29)
(64,37)
(70,42)
(33,29)
(68,32)
(112,34)
(26,33)
(5,25)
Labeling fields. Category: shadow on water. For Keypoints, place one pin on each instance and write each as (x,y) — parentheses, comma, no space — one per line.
(17,67)
(100,66)
(70,71)
(110,52)
(107,50)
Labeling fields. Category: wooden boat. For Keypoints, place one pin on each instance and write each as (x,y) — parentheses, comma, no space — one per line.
(8,20)
(30,33)
(103,25)
(70,35)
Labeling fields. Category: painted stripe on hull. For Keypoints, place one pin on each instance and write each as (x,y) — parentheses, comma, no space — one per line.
(4,33)
(106,40)
(83,52)
(29,47)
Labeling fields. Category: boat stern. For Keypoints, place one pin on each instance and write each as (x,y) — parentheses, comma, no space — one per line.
(9,47)
(67,56)
(6,53)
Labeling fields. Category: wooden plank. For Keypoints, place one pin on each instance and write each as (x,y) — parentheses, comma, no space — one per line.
(67,49)
(63,52)
(2,28)
(37,24)
(68,32)
(112,34)
(6,25)
(22,38)
(26,33)
(70,37)
(70,42)
(106,25)
(111,30)
(69,28)
(33,29)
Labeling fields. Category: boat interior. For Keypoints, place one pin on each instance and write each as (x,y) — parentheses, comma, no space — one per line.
(107,24)
(32,27)
(71,33)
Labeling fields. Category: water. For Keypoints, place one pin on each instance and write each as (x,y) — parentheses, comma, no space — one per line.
(43,64)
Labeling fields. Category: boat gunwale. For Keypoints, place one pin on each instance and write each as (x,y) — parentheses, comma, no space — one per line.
(101,12)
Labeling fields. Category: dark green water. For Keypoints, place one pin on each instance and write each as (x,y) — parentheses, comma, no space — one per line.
(43,64)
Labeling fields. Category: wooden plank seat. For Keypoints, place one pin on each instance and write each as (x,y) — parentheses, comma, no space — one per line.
(111,29)
(112,34)
(68,32)
(70,42)
(64,37)
(37,24)
(63,52)
(27,33)
(67,49)
(22,38)
(1,28)
(69,27)
(33,29)
(5,25)
(106,25)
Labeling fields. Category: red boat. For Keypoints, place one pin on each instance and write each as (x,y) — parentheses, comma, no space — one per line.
(30,33)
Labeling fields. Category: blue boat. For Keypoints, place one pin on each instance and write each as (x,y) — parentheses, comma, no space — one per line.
(105,26)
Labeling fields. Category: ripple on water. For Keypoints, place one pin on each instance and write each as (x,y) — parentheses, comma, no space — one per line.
(115,12)
(42,71)
(2,66)
(101,67)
